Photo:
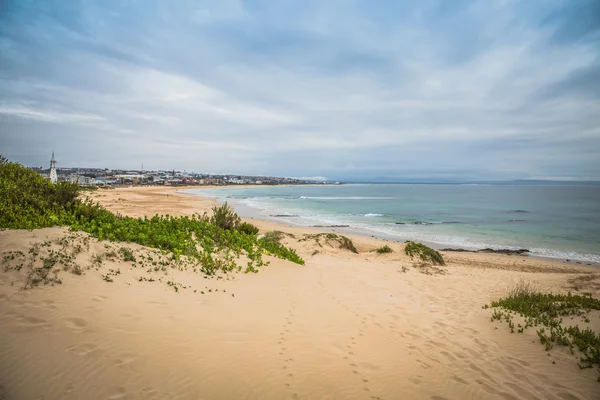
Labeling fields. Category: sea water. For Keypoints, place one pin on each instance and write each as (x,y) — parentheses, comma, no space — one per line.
(551,221)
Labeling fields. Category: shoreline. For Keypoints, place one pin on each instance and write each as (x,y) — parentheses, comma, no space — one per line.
(345,325)
(254,214)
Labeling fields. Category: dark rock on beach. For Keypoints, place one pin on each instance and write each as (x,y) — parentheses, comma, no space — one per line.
(459,250)
(494,251)
(331,226)
(504,251)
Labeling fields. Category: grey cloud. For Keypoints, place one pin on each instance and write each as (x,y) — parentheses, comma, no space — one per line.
(473,91)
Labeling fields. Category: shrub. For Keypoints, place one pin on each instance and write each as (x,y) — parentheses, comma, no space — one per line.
(425,253)
(385,249)
(28,201)
(247,228)
(342,241)
(224,217)
(273,236)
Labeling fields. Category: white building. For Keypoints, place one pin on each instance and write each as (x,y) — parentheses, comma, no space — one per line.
(53,176)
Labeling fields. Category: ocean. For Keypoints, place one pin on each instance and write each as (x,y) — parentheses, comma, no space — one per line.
(552,221)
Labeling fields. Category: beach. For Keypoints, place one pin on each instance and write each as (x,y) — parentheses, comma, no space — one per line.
(342,326)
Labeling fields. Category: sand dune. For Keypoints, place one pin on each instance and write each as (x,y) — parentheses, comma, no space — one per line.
(344,326)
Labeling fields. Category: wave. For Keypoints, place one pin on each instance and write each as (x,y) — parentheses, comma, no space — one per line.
(343,198)
(518,211)
(373,215)
(415,223)
(565,255)
(459,241)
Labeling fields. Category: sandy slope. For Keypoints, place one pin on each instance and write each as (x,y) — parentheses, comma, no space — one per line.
(344,326)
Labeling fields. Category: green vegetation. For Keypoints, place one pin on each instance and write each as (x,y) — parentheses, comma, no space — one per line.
(273,237)
(224,217)
(424,253)
(278,250)
(247,228)
(428,269)
(546,311)
(28,201)
(276,236)
(343,242)
(385,249)
(127,254)
(44,261)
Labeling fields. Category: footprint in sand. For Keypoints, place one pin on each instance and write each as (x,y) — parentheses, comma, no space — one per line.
(82,350)
(459,380)
(130,317)
(125,358)
(77,325)
(30,324)
(69,388)
(49,304)
(118,393)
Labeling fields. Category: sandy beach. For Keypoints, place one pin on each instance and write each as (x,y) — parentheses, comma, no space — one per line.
(343,326)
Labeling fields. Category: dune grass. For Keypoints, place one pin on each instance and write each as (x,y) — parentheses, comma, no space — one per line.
(273,236)
(424,253)
(329,238)
(384,250)
(546,312)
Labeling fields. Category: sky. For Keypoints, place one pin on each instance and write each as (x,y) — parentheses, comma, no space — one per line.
(345,90)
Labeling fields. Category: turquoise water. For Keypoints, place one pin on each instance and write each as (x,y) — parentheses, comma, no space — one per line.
(552,221)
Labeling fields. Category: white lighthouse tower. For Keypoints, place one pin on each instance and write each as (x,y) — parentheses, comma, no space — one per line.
(53,177)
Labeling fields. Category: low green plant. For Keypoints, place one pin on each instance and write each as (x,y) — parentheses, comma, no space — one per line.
(384,250)
(97,259)
(546,311)
(278,250)
(343,242)
(273,236)
(127,254)
(77,270)
(247,228)
(424,253)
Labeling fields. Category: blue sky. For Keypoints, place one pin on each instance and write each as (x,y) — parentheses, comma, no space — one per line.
(362,90)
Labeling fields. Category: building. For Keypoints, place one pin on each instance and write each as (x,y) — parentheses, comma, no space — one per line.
(53,176)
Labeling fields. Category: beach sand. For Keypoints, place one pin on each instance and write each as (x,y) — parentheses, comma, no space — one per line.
(343,326)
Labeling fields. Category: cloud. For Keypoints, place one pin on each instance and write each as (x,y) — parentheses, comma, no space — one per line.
(310,178)
(46,115)
(361,90)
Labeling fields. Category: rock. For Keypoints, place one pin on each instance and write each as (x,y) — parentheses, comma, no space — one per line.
(489,250)
(504,251)
(459,250)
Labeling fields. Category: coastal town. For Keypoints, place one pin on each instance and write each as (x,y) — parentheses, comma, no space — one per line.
(112,177)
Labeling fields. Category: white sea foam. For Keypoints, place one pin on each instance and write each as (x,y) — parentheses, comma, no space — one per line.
(343,198)
(412,230)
